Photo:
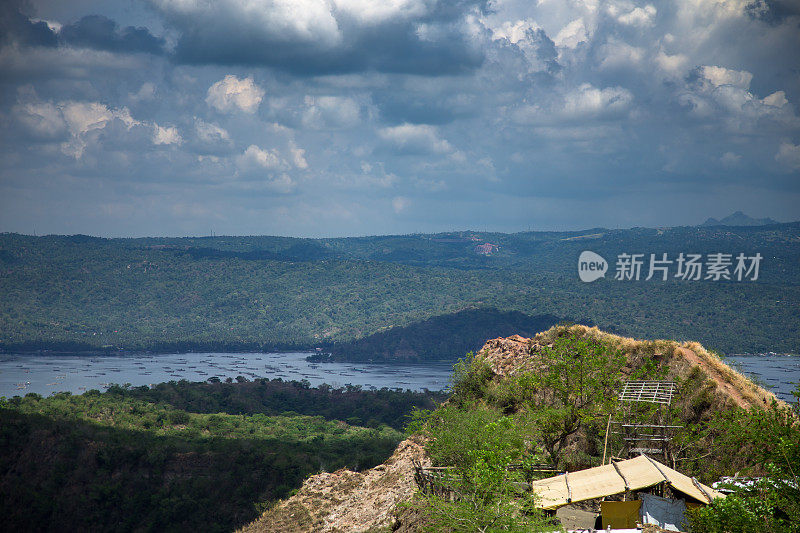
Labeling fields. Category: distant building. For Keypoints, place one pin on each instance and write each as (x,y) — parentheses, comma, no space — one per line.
(486,248)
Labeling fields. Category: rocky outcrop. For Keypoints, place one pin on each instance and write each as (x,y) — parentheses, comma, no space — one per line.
(509,355)
(347,501)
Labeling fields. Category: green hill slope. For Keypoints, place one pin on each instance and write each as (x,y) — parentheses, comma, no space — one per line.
(240,293)
(441,337)
(182,456)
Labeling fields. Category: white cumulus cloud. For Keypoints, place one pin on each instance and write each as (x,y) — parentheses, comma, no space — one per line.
(776,99)
(285,20)
(416,138)
(514,31)
(84,118)
(639,16)
(231,93)
(588,101)
(789,155)
(330,111)
(255,157)
(375,12)
(166,135)
(282,183)
(42,119)
(209,132)
(719,76)
(672,65)
(264,168)
(730,159)
(572,34)
(298,156)
(618,54)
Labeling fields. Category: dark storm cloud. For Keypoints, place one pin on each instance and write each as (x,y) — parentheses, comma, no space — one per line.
(339,39)
(773,11)
(347,116)
(102,33)
(19,29)
(390,49)
(92,31)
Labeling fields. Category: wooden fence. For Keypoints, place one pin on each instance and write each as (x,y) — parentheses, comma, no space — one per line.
(443,481)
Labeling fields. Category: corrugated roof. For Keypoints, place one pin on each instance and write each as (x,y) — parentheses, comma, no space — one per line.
(632,474)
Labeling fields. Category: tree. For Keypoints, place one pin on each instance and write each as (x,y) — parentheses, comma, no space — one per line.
(485,493)
(576,385)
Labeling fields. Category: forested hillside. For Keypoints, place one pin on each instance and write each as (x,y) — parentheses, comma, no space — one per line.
(183,456)
(237,293)
(440,337)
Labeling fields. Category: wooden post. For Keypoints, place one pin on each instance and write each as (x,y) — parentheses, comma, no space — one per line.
(605,445)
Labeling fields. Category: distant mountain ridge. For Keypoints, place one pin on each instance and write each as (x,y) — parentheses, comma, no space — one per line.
(266,293)
(739,219)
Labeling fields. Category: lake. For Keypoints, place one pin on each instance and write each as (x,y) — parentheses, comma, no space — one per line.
(778,373)
(45,374)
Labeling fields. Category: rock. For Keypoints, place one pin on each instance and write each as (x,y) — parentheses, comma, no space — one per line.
(347,501)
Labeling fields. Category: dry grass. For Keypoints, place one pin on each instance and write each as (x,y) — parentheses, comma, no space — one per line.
(753,393)
(679,357)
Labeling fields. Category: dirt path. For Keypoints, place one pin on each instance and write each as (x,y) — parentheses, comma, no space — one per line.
(733,391)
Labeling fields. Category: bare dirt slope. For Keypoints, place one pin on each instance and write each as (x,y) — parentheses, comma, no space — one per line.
(347,501)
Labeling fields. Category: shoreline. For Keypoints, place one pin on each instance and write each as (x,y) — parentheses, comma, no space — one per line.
(4,350)
(315,355)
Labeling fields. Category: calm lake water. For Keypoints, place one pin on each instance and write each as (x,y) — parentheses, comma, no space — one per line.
(45,374)
(778,373)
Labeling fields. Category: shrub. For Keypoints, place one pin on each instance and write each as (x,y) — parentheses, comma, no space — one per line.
(735,514)
(470,378)
(481,444)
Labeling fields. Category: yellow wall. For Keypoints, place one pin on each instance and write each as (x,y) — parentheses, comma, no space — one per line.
(620,515)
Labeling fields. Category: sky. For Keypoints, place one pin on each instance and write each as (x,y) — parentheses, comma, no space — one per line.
(361,117)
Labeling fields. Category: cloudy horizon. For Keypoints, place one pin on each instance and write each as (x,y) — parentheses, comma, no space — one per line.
(356,117)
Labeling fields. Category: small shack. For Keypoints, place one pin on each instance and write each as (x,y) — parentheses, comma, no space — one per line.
(640,475)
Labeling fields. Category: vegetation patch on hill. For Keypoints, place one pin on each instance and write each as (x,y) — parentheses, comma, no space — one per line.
(549,399)
(182,457)
(445,337)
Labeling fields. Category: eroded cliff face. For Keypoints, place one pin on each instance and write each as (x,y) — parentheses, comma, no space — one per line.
(346,501)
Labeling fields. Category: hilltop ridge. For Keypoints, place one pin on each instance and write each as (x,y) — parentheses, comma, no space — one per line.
(510,355)
(707,384)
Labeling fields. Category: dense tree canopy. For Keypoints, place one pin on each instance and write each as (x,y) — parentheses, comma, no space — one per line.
(183,456)
(262,293)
